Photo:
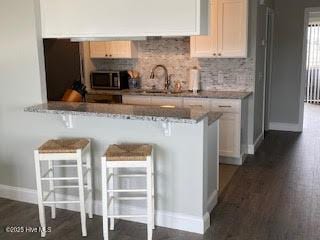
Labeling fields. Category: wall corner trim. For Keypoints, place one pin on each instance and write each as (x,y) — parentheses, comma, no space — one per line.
(172,220)
(252,148)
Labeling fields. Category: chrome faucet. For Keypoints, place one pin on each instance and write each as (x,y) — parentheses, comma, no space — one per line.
(167,77)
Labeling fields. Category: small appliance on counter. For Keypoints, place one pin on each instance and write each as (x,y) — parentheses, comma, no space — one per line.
(194,80)
(109,80)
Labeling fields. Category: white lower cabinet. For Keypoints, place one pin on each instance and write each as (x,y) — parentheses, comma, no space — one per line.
(230,135)
(196,102)
(168,101)
(136,100)
(233,129)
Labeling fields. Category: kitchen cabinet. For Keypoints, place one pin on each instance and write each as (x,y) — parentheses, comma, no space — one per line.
(233,138)
(196,102)
(125,18)
(136,100)
(228,35)
(113,49)
(230,135)
(169,101)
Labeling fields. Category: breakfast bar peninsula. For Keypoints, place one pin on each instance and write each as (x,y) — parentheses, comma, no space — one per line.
(186,153)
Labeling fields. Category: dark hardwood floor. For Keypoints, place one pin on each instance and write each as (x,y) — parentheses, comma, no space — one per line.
(274,196)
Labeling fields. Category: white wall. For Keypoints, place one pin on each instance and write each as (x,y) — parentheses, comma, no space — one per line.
(287,62)
(21,62)
(21,86)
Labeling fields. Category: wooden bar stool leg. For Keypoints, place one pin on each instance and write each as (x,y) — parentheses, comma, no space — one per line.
(149,198)
(89,182)
(42,216)
(111,186)
(104,198)
(52,189)
(81,193)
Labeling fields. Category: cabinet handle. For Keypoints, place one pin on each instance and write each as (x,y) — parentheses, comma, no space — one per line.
(224,106)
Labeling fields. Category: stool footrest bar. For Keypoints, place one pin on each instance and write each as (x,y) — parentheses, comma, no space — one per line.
(126,190)
(130,175)
(59,178)
(68,186)
(67,165)
(57,202)
(127,216)
(130,198)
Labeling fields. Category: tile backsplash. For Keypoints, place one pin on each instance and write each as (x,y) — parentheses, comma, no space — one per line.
(174,53)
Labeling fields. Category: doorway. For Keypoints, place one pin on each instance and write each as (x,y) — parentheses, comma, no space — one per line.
(268,65)
(310,82)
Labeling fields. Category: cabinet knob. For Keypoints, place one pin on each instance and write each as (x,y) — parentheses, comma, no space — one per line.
(110,55)
(214,54)
(219,54)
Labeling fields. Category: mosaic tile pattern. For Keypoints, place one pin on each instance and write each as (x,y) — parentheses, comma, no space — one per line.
(174,53)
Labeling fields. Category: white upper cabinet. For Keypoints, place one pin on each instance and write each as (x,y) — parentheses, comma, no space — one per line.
(228,36)
(113,49)
(123,18)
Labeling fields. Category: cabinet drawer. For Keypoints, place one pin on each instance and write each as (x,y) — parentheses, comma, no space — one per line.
(196,102)
(136,100)
(226,105)
(159,101)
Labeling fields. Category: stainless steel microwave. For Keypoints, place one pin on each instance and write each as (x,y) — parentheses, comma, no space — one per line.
(109,80)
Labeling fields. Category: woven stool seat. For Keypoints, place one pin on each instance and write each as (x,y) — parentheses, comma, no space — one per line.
(128,152)
(63,145)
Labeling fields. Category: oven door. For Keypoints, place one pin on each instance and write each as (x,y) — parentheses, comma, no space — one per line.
(101,80)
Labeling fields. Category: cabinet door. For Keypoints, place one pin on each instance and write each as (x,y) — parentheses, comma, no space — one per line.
(207,46)
(119,49)
(125,18)
(98,49)
(230,135)
(196,103)
(171,101)
(232,28)
(136,100)
(113,49)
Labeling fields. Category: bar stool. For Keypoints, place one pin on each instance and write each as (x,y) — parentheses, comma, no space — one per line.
(78,150)
(127,156)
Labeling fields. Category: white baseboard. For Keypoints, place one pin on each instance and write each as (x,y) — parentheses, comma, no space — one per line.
(231,160)
(212,201)
(287,127)
(253,147)
(172,220)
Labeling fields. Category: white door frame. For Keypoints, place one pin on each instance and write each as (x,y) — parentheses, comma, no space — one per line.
(267,88)
(303,77)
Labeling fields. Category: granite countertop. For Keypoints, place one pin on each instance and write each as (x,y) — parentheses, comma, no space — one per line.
(201,94)
(122,111)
